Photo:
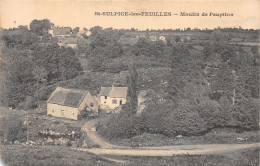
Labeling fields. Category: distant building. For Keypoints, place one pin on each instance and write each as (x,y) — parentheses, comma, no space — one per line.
(185,38)
(71,103)
(140,36)
(63,31)
(68,41)
(153,38)
(113,97)
(71,42)
(162,38)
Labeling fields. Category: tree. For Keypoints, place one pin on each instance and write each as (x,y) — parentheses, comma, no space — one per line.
(104,45)
(251,77)
(177,38)
(40,74)
(13,128)
(145,47)
(20,38)
(184,68)
(40,27)
(16,76)
(224,82)
(75,31)
(60,63)
(132,89)
(256,55)
(95,30)
(246,114)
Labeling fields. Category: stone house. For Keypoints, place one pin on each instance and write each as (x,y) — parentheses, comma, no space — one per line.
(113,97)
(71,103)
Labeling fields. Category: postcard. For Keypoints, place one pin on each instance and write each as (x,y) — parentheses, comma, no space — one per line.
(129,82)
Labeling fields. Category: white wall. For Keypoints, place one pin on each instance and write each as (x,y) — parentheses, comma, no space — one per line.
(51,32)
(109,101)
(72,45)
(62,111)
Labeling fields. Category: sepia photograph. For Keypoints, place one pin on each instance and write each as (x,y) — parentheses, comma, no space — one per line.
(129,83)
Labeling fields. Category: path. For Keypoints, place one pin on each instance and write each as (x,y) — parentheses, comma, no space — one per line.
(90,130)
(170,151)
(110,149)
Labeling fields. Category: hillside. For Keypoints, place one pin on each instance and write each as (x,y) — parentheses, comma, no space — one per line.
(184,87)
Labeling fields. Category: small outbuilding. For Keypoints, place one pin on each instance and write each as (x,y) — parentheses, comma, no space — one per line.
(71,103)
(113,97)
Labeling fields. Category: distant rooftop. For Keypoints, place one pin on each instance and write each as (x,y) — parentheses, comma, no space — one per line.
(62,31)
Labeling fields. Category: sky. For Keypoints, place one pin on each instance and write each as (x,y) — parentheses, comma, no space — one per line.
(80,13)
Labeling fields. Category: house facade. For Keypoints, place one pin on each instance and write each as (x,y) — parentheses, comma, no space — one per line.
(113,97)
(71,103)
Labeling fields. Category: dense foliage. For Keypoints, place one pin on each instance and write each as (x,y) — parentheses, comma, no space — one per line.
(215,89)
(13,129)
(189,91)
(31,60)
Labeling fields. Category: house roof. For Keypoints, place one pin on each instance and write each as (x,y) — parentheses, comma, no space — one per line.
(68,40)
(67,97)
(62,31)
(114,91)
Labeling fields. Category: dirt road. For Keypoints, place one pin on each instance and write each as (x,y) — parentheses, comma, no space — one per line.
(200,149)
(110,149)
(90,130)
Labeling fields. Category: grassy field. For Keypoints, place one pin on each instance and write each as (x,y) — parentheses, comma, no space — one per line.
(19,155)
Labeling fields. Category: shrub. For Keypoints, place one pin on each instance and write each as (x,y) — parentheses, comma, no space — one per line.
(13,128)
(69,143)
(116,66)
(246,114)
(123,126)
(95,146)
(169,120)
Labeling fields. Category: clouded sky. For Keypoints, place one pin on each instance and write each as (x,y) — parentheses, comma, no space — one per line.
(81,13)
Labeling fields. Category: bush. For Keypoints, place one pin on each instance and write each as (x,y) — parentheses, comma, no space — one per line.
(119,127)
(246,114)
(69,143)
(169,120)
(116,66)
(13,128)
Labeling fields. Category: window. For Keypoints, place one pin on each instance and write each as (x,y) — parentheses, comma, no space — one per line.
(72,113)
(114,101)
(105,97)
(91,104)
(52,111)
